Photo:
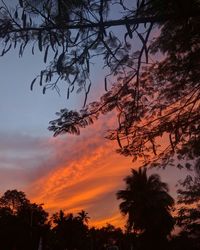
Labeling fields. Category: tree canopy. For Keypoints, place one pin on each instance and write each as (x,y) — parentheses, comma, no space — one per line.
(13,200)
(148,206)
(153,86)
(189,205)
(22,223)
(145,199)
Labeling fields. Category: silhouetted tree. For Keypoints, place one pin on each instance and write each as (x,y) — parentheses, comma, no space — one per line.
(69,232)
(189,207)
(101,238)
(22,223)
(147,203)
(34,219)
(11,228)
(13,200)
(83,216)
(182,242)
(161,98)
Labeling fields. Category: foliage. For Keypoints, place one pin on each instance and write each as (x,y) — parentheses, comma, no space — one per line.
(83,216)
(21,223)
(156,101)
(69,232)
(107,236)
(27,225)
(13,200)
(148,205)
(153,87)
(153,98)
(189,210)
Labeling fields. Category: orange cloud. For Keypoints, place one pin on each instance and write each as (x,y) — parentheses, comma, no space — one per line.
(70,173)
(86,176)
(84,183)
(116,219)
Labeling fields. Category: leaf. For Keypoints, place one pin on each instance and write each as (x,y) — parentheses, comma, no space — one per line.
(15,44)
(106,84)
(24,19)
(33,48)
(26,42)
(68,93)
(2,52)
(41,77)
(86,94)
(44,90)
(50,75)
(6,50)
(179,166)
(88,65)
(21,50)
(72,89)
(59,64)
(32,83)
(55,54)
(74,80)
(188,165)
(40,40)
(30,21)
(46,54)
(16,14)
(21,3)
(56,39)
(52,43)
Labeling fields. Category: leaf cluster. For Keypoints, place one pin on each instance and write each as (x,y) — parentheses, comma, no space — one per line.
(161,100)
(154,99)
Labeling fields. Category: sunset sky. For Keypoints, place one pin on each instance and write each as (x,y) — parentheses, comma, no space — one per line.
(68,172)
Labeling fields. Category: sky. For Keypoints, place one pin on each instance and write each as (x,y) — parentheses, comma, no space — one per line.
(67,172)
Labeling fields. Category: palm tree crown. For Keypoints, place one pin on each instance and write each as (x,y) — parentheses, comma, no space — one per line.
(147,203)
(83,216)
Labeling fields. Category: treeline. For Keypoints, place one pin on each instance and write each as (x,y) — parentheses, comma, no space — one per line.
(27,226)
(151,214)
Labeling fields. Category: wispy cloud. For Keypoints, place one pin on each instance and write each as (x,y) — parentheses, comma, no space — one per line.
(85,177)
(68,172)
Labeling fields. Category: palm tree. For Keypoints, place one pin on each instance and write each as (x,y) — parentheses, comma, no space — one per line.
(147,203)
(83,216)
(69,232)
